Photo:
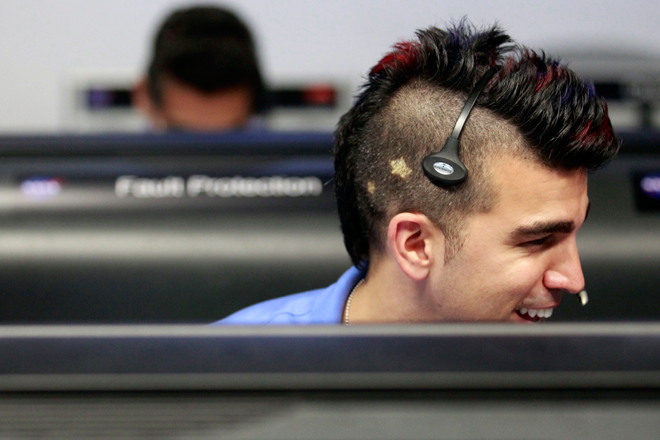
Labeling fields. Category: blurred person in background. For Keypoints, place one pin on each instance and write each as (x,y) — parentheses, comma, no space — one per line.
(203,75)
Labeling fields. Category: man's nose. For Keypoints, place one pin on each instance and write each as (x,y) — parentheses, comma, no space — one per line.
(566,271)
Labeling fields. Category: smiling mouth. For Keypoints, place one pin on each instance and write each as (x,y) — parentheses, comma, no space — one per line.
(534,315)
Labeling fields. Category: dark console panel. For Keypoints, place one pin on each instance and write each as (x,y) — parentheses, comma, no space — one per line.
(454,382)
(163,228)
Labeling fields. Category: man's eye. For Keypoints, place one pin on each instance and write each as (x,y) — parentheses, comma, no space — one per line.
(538,242)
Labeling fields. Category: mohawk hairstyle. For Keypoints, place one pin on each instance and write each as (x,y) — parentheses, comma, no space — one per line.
(407,109)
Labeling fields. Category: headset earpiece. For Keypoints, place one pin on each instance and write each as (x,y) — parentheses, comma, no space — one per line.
(445,167)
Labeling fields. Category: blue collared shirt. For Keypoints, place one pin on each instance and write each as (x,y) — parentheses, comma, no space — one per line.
(321,306)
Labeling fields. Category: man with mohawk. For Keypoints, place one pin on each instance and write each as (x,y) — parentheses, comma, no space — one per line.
(461,182)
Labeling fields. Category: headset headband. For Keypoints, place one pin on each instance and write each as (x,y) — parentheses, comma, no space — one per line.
(444,167)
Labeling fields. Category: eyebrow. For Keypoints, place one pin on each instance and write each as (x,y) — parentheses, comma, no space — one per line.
(543,228)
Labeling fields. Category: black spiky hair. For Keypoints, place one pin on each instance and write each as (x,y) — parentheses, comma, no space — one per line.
(558,114)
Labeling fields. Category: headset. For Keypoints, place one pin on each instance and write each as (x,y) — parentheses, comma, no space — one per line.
(444,167)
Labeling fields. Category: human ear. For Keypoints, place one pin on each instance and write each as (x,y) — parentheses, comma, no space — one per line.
(415,243)
(143,103)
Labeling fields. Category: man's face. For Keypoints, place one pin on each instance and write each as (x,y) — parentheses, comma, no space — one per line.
(186,108)
(522,254)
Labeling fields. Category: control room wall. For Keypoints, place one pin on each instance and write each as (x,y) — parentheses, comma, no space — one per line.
(42,41)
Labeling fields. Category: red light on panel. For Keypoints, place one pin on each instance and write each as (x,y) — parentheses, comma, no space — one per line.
(320,95)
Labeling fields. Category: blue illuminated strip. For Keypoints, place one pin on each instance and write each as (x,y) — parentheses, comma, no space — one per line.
(650,185)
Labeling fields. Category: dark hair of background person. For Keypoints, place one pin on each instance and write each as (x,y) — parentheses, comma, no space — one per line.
(208,48)
(409,105)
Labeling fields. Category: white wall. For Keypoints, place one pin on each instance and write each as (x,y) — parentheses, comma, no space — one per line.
(41,41)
